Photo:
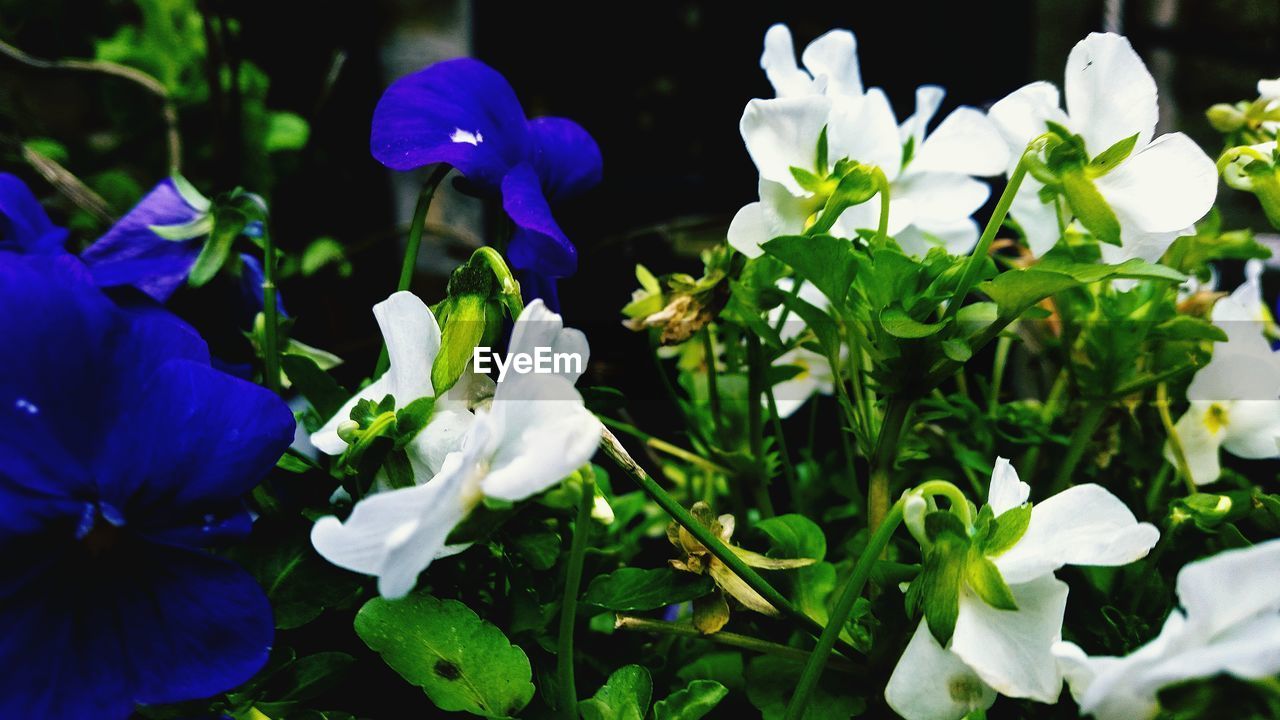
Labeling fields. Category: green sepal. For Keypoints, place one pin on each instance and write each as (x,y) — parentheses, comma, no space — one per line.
(228,223)
(412,418)
(857,186)
(462,332)
(1089,207)
(943,576)
(1007,530)
(810,181)
(985,579)
(1108,159)
(199,227)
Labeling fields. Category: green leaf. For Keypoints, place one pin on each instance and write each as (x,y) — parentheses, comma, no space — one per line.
(691,703)
(1016,290)
(1009,529)
(1187,327)
(794,536)
(624,697)
(899,324)
(1108,159)
(819,322)
(286,131)
(540,547)
(296,464)
(463,663)
(634,589)
(827,262)
(317,386)
(771,681)
(199,227)
(299,583)
(412,418)
(985,579)
(807,179)
(957,350)
(1089,207)
(228,223)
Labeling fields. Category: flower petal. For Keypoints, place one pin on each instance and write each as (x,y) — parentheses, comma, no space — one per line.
(566,157)
(729,581)
(928,100)
(412,336)
(865,129)
(460,112)
(930,683)
(1011,650)
(24,225)
(538,243)
(779,64)
(538,328)
(783,133)
(966,142)
(1038,220)
(1021,116)
(1082,525)
(939,196)
(1006,490)
(1200,432)
(833,57)
(1230,587)
(1110,93)
(1163,187)
(1250,650)
(1253,429)
(958,237)
(748,231)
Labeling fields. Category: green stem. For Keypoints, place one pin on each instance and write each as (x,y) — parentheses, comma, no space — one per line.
(731,639)
(569,606)
(510,289)
(665,447)
(414,244)
(713,391)
(882,182)
(840,615)
(755,423)
(895,416)
(619,455)
(1175,443)
(997,373)
(793,485)
(1084,431)
(979,256)
(270,338)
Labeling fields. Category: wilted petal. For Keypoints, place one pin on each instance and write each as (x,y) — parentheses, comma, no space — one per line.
(833,57)
(930,683)
(966,142)
(783,133)
(1110,93)
(1011,650)
(1006,491)
(1164,187)
(729,581)
(1082,525)
(566,157)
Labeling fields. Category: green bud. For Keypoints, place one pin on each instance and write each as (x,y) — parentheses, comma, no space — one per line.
(1209,510)
(347,430)
(1266,187)
(1225,118)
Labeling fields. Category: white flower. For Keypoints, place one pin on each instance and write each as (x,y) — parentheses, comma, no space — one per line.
(1161,189)
(1010,651)
(535,433)
(412,336)
(1228,623)
(932,195)
(1269,90)
(1235,399)
(816,376)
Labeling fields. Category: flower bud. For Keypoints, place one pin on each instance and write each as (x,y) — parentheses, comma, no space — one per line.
(1225,118)
(347,430)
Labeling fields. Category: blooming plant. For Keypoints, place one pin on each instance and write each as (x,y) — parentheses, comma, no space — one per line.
(198,519)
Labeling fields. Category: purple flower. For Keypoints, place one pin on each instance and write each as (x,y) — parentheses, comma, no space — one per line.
(124,458)
(464,113)
(24,226)
(133,253)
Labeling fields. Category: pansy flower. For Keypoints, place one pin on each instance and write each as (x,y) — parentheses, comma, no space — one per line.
(1235,399)
(533,434)
(932,191)
(1227,622)
(24,225)
(1154,189)
(124,459)
(464,113)
(1006,624)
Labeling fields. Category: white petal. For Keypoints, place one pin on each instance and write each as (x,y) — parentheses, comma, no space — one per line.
(1136,243)
(779,64)
(966,142)
(1006,491)
(1110,93)
(1038,220)
(815,377)
(957,236)
(1021,116)
(538,328)
(1250,650)
(1269,89)
(748,231)
(777,213)
(938,196)
(396,534)
(1243,368)
(834,57)
(783,133)
(413,340)
(1082,525)
(930,683)
(441,437)
(1230,587)
(793,325)
(1164,187)
(1200,432)
(865,129)
(1253,429)
(928,100)
(1011,650)
(326,438)
(543,433)
(1111,688)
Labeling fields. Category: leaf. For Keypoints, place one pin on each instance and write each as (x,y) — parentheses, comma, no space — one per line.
(1016,290)
(1187,327)
(985,579)
(308,677)
(285,131)
(771,681)
(827,262)
(899,324)
(1009,529)
(957,350)
(412,418)
(299,583)
(943,573)
(228,223)
(540,548)
(691,703)
(463,663)
(794,536)
(634,589)
(823,327)
(317,386)
(624,697)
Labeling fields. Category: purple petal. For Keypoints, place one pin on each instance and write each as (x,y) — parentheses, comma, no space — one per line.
(131,253)
(534,286)
(24,225)
(460,112)
(537,244)
(566,157)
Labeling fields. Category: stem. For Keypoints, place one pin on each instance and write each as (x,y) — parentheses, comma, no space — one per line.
(1175,443)
(713,392)
(882,182)
(569,606)
(755,423)
(745,642)
(997,373)
(788,469)
(974,266)
(413,245)
(844,607)
(665,447)
(270,346)
(619,455)
(1089,423)
(895,416)
(510,288)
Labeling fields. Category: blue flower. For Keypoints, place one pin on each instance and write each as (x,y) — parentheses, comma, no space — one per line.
(24,226)
(133,253)
(464,113)
(123,459)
